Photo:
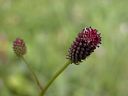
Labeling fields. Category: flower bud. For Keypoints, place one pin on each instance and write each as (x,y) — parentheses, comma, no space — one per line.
(19,47)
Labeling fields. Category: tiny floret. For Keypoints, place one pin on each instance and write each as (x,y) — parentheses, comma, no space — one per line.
(84,44)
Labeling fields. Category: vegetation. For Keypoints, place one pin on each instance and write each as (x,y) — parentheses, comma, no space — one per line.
(48,27)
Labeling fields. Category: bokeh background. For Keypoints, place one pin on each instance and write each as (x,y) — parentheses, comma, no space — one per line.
(48,27)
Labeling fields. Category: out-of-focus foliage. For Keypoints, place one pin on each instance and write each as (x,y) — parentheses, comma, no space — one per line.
(48,27)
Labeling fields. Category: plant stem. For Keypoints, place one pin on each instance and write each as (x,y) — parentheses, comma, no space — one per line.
(33,73)
(54,77)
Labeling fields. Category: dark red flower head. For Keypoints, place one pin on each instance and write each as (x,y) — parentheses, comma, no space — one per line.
(85,43)
(19,47)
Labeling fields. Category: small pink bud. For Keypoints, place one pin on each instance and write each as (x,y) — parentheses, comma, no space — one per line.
(19,47)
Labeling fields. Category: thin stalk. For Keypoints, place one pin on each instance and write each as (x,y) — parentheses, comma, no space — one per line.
(54,77)
(33,73)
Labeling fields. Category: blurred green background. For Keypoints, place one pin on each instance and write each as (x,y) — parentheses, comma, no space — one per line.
(48,27)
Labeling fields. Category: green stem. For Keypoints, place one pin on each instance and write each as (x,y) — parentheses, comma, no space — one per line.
(54,77)
(33,73)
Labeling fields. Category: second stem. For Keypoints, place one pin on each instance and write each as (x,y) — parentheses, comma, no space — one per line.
(33,73)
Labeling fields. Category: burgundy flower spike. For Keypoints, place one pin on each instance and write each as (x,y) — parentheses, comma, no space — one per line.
(85,43)
(19,47)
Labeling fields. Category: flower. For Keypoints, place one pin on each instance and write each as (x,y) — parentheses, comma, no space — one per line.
(84,44)
(19,47)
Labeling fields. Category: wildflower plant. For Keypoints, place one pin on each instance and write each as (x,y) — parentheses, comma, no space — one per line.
(82,47)
(20,49)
